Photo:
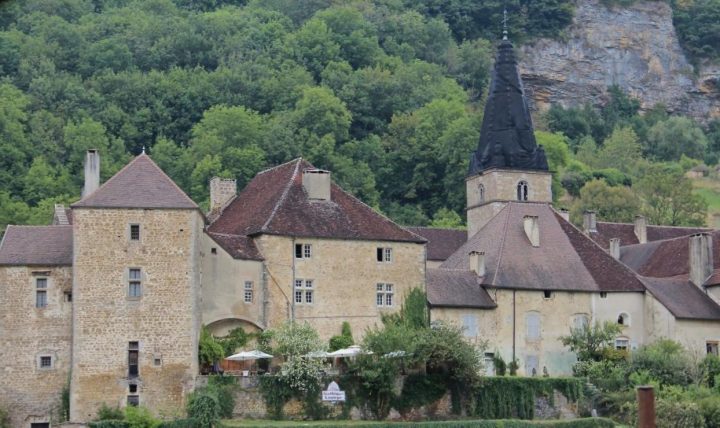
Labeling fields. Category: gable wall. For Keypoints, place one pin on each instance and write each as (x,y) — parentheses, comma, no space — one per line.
(29,393)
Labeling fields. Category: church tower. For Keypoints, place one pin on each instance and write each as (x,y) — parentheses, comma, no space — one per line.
(508,165)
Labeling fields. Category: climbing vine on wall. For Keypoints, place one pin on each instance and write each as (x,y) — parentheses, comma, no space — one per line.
(514,397)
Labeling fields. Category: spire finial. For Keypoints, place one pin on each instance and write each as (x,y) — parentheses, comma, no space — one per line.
(505,30)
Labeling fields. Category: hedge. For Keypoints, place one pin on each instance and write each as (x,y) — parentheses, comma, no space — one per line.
(504,397)
(109,423)
(504,423)
(180,423)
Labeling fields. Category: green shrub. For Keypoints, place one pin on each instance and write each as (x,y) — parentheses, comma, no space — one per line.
(678,414)
(710,409)
(222,387)
(514,397)
(4,418)
(109,413)
(203,406)
(419,390)
(665,360)
(140,417)
(109,424)
(499,364)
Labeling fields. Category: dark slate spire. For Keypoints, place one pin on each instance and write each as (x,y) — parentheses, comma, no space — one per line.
(506,138)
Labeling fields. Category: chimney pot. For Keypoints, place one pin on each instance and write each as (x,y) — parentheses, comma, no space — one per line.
(92,172)
(615,248)
(532,229)
(641,229)
(222,191)
(477,262)
(589,222)
(317,184)
(700,258)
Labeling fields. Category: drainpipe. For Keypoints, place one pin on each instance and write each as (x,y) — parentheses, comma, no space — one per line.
(513,344)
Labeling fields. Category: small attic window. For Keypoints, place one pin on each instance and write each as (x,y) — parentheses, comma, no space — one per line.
(547,294)
(603,295)
(213,250)
(522,191)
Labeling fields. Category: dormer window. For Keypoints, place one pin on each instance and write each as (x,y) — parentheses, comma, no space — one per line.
(522,191)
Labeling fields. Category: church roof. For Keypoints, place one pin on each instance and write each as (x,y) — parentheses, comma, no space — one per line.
(37,246)
(626,233)
(275,202)
(442,243)
(507,138)
(456,288)
(140,184)
(566,259)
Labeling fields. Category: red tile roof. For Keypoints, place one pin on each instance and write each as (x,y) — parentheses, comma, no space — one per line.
(682,298)
(664,258)
(457,289)
(626,233)
(239,247)
(276,203)
(140,184)
(442,243)
(565,260)
(37,246)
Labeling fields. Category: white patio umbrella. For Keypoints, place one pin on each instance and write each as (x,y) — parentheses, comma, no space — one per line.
(248,355)
(352,351)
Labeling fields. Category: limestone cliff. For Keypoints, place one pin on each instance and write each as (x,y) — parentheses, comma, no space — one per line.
(634,47)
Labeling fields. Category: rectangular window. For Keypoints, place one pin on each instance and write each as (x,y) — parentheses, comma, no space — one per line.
(133,400)
(248,297)
(135,283)
(489,363)
(622,344)
(40,292)
(384,254)
(303,251)
(68,296)
(303,291)
(134,232)
(603,295)
(712,348)
(384,294)
(40,425)
(132,388)
(532,321)
(580,321)
(45,362)
(133,359)
(470,327)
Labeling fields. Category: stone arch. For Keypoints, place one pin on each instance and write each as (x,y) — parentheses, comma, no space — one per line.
(222,326)
(623,319)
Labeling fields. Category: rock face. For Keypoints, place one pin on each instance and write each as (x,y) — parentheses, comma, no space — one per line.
(634,47)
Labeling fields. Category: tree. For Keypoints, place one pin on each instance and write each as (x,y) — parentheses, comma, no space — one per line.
(447,219)
(621,150)
(668,140)
(343,340)
(669,199)
(592,342)
(618,204)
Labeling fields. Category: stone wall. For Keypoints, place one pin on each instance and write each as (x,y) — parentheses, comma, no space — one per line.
(164,321)
(28,392)
(345,274)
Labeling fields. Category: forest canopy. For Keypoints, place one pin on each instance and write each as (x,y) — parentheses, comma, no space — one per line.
(387,94)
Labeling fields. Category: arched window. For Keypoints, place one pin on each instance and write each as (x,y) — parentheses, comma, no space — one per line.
(522,191)
(481,192)
(623,319)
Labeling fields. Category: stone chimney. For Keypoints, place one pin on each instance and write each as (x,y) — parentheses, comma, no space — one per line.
(477,262)
(222,191)
(701,258)
(60,216)
(92,172)
(317,184)
(641,228)
(615,248)
(589,222)
(532,229)
(565,214)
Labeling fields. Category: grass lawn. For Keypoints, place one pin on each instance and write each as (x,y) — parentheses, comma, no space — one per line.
(709,189)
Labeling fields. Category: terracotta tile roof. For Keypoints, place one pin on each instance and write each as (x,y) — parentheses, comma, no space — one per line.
(683,299)
(441,242)
(714,279)
(140,184)
(626,233)
(666,258)
(565,260)
(238,246)
(37,245)
(456,288)
(275,202)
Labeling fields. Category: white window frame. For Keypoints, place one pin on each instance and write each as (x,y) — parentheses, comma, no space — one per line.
(41,291)
(622,343)
(248,292)
(138,282)
(304,292)
(384,295)
(306,251)
(626,319)
(386,254)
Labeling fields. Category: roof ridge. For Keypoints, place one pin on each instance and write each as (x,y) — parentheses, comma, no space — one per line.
(278,166)
(284,194)
(169,179)
(659,225)
(28,226)
(502,241)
